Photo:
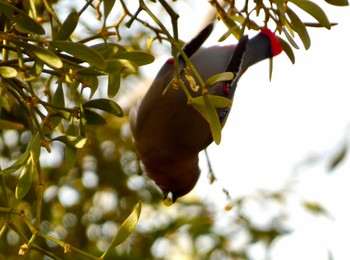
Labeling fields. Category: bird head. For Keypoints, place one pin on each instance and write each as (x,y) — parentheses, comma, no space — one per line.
(174,177)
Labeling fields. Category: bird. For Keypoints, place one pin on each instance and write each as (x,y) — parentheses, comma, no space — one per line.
(168,132)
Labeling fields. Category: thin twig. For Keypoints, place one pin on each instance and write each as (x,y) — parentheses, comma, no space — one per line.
(211,175)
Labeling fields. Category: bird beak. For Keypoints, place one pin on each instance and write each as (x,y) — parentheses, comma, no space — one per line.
(168,199)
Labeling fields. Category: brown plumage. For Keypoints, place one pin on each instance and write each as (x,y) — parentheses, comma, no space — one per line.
(169,133)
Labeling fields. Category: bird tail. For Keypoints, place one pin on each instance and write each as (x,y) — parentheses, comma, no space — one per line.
(191,47)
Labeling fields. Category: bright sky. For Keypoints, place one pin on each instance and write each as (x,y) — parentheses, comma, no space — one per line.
(275,126)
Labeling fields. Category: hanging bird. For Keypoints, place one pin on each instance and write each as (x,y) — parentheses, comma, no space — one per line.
(168,132)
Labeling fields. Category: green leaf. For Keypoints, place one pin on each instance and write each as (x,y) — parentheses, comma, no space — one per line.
(68,26)
(314,10)
(35,147)
(270,68)
(71,156)
(107,6)
(125,229)
(24,23)
(113,66)
(139,58)
(72,129)
(217,101)
(93,118)
(282,15)
(58,97)
(4,103)
(62,114)
(238,18)
(31,153)
(83,121)
(213,119)
(41,53)
(338,157)
(91,82)
(287,49)
(220,102)
(108,50)
(25,179)
(198,104)
(90,72)
(7,72)
(35,70)
(17,164)
(315,208)
(234,29)
(105,105)
(7,9)
(5,124)
(116,66)
(113,84)
(224,36)
(288,28)
(82,52)
(289,38)
(300,28)
(338,2)
(71,153)
(52,122)
(73,141)
(73,89)
(225,76)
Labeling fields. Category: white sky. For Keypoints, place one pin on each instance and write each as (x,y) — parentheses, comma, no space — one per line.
(275,126)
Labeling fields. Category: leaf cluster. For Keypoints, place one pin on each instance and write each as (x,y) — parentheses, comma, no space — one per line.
(286,16)
(49,86)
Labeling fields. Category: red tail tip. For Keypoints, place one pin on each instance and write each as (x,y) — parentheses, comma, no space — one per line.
(276,47)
